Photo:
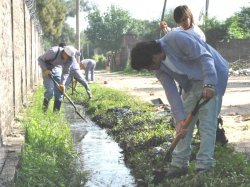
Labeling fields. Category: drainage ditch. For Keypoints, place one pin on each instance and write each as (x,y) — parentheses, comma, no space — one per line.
(99,154)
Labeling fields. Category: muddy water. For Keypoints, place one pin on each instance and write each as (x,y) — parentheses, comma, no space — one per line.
(99,154)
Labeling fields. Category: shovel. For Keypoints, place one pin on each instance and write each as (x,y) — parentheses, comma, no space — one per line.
(71,102)
(187,121)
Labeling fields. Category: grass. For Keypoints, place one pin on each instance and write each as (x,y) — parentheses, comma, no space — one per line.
(143,135)
(48,157)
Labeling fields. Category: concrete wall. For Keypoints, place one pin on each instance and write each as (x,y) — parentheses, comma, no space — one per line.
(20,44)
(234,50)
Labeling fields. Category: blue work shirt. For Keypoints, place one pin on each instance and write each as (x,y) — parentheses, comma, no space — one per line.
(189,59)
(56,65)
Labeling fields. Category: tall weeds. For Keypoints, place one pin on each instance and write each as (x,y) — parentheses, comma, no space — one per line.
(48,157)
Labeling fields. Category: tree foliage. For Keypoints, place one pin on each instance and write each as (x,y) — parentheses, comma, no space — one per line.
(67,36)
(235,27)
(106,31)
(214,30)
(71,5)
(147,30)
(239,24)
(51,14)
(169,18)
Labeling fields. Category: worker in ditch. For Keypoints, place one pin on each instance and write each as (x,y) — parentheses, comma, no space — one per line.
(201,71)
(75,73)
(55,64)
(89,66)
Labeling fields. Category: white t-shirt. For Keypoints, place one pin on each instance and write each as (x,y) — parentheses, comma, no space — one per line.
(195,30)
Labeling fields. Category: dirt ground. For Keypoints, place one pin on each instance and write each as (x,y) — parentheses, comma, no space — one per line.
(235,110)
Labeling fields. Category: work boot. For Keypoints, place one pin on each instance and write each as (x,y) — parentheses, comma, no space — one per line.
(57,106)
(45,105)
(174,171)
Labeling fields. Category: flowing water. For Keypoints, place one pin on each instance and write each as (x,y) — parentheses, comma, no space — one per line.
(99,154)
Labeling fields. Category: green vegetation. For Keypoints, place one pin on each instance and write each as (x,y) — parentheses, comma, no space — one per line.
(48,157)
(145,135)
(53,16)
(100,61)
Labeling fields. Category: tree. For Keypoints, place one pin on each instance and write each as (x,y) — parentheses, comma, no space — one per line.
(71,6)
(169,18)
(106,31)
(239,24)
(67,35)
(51,15)
(214,30)
(144,29)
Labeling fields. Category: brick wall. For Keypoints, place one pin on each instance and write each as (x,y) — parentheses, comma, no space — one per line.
(20,45)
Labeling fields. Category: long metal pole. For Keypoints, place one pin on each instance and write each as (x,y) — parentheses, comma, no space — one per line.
(207,5)
(163,13)
(77,42)
(78,28)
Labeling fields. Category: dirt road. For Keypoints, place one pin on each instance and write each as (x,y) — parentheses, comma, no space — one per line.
(235,110)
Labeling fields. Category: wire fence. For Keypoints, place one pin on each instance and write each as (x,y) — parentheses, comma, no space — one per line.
(31,5)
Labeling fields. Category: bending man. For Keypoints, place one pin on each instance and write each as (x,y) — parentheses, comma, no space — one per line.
(55,63)
(200,70)
(88,65)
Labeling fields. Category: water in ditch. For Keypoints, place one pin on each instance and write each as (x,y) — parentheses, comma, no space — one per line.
(99,154)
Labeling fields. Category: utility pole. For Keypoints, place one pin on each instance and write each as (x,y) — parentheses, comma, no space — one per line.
(207,5)
(206,14)
(77,28)
(77,41)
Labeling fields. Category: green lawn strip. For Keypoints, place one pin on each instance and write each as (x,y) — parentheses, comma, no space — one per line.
(145,134)
(48,157)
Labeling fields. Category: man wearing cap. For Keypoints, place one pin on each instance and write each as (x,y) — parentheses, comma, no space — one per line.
(55,63)
(88,65)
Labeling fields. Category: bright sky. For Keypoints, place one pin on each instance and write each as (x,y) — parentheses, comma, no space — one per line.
(152,9)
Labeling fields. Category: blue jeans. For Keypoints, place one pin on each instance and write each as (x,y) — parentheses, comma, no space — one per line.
(50,87)
(90,67)
(207,127)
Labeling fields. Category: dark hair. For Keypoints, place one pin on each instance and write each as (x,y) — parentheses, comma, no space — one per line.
(181,11)
(62,44)
(141,55)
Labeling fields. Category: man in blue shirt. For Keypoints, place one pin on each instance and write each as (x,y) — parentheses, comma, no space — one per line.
(55,63)
(89,66)
(201,71)
(75,72)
